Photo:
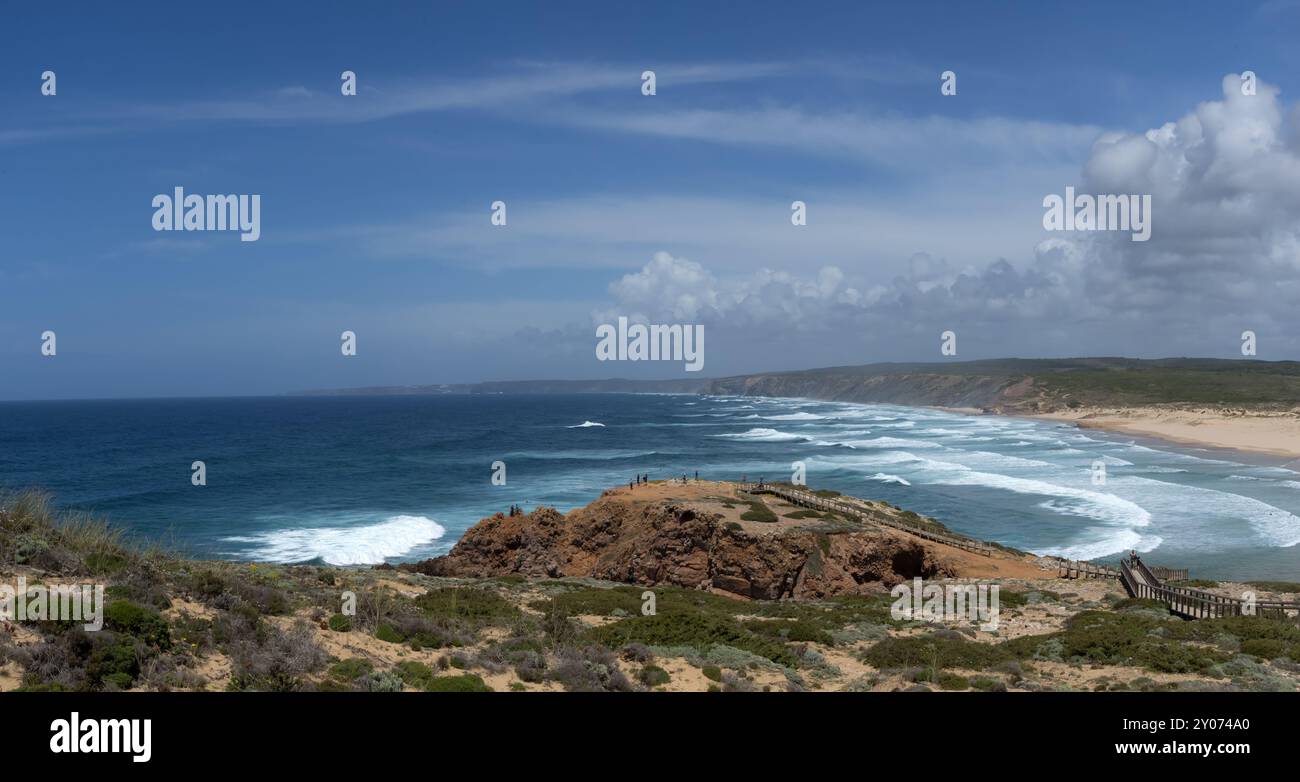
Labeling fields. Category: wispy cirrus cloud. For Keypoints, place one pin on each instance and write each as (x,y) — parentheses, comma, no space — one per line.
(379,98)
(881,137)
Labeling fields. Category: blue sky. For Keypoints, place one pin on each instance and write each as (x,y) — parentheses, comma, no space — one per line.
(924,210)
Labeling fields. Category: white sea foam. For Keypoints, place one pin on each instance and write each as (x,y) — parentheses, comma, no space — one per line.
(1128,512)
(1066,500)
(1214,511)
(578,454)
(585,425)
(365,544)
(1104,541)
(893,442)
(763,436)
(796,417)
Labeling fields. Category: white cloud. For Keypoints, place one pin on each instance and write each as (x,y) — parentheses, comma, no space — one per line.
(1224,257)
(879,137)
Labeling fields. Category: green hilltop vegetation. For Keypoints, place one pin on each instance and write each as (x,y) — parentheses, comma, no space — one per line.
(1004,385)
(1014,385)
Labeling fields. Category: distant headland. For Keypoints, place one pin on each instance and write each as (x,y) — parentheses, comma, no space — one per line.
(1243,404)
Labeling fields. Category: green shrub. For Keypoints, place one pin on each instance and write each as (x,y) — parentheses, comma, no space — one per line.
(933,651)
(945,680)
(1141,603)
(351,668)
(600,601)
(712,672)
(758,511)
(340,623)
(479,606)
(113,661)
(653,676)
(105,562)
(797,630)
(416,674)
(1266,648)
(386,632)
(699,631)
(138,621)
(467,682)
(1133,639)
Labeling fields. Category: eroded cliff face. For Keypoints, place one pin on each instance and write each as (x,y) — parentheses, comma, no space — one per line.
(673,543)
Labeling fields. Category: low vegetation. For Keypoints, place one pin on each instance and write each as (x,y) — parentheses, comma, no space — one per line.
(176,624)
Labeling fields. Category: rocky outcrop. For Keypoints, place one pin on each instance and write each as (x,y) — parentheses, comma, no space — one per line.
(672,543)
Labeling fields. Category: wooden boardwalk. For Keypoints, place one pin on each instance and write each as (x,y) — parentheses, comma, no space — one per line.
(1070,569)
(808,499)
(1139,580)
(1144,582)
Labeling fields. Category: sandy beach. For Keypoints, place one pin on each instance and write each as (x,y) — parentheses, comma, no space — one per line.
(1277,434)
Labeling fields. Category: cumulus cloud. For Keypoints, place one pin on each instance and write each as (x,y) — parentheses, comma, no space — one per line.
(681,290)
(1224,256)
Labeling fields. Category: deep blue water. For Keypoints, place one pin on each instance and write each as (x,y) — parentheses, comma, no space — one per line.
(352,480)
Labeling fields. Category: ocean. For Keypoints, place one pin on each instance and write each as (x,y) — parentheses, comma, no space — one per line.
(368,479)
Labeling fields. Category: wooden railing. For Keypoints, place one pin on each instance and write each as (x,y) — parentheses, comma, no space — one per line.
(1143,582)
(1169,574)
(811,500)
(1070,569)
(1138,579)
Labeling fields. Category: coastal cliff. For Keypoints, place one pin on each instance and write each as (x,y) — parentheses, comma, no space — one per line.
(703,536)
(170,623)
(1010,386)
